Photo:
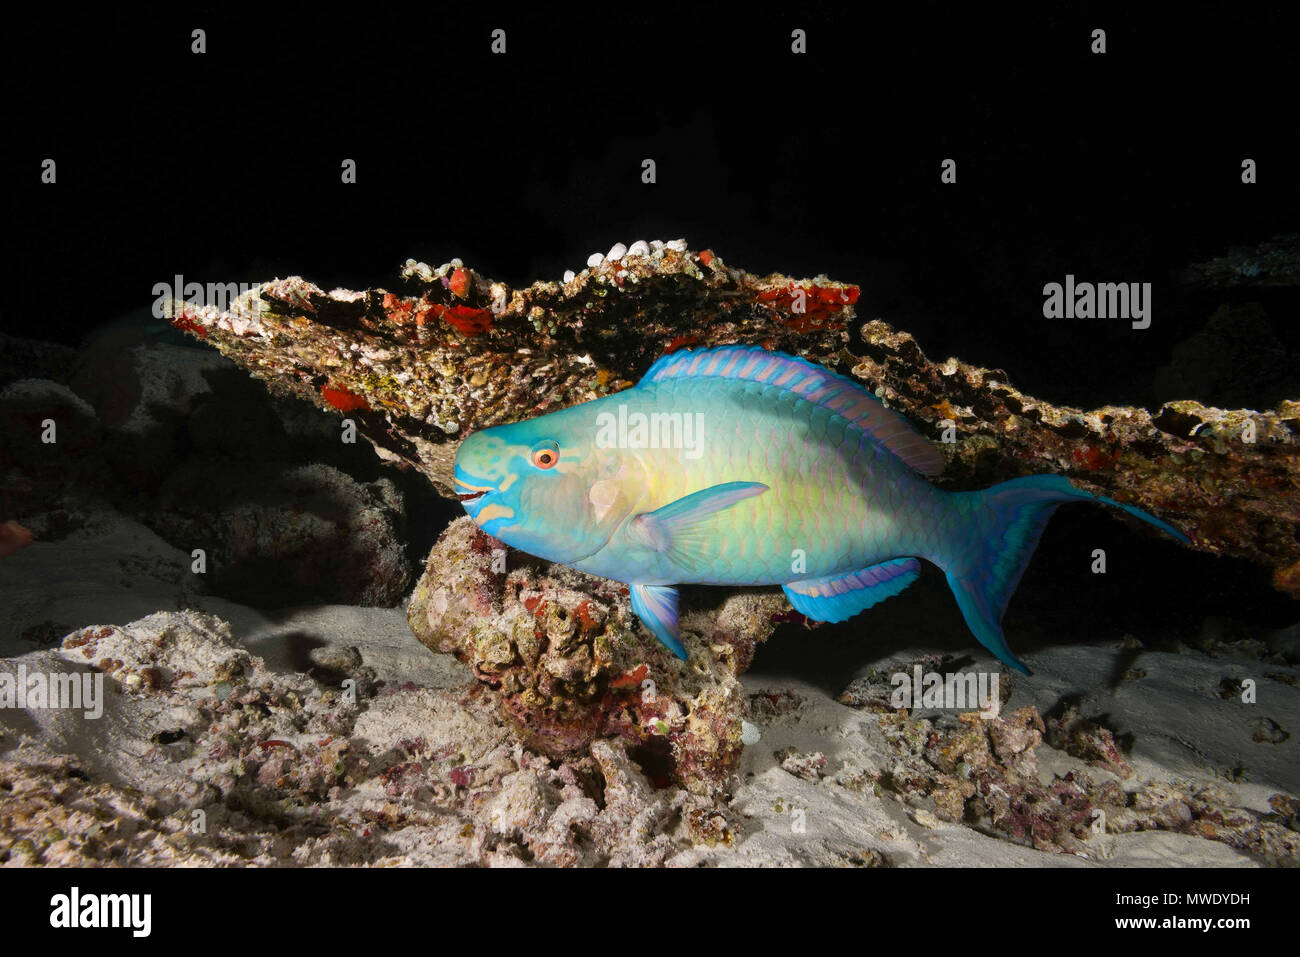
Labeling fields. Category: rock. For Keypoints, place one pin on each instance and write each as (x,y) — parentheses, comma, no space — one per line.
(33,359)
(1286,642)
(38,475)
(1074,735)
(570,666)
(524,803)
(280,536)
(206,756)
(143,393)
(1236,360)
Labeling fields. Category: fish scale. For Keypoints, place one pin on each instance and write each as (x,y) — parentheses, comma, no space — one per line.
(822,499)
(799,477)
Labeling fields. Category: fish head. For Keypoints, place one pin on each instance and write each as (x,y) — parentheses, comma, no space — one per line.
(545,486)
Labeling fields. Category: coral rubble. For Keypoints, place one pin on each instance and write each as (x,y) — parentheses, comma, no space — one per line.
(204,755)
(985,773)
(218,760)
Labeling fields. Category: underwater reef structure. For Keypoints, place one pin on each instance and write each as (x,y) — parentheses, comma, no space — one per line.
(565,655)
(449,351)
(292,769)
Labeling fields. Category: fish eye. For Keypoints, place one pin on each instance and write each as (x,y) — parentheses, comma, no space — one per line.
(546,455)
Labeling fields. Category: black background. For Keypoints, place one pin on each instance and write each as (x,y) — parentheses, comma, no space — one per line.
(226,166)
(362,910)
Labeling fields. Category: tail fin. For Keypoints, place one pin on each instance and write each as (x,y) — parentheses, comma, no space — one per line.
(1001,528)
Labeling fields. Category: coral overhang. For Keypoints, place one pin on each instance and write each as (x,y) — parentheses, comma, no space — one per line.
(450,351)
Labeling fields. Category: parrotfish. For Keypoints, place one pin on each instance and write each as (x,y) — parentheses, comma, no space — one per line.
(739,466)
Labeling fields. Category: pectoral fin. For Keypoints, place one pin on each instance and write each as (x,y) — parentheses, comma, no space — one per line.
(668,528)
(656,606)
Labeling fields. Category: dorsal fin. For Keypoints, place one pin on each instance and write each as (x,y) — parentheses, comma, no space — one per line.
(830,390)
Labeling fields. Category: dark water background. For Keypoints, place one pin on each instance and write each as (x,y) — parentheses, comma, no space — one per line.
(225,167)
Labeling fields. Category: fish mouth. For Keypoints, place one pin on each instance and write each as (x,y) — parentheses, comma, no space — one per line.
(475,492)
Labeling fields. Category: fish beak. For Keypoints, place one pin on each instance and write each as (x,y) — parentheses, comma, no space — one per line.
(474,493)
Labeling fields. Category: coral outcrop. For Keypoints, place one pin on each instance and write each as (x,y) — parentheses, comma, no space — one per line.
(566,657)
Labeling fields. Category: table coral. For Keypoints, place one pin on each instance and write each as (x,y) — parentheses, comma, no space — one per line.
(449,350)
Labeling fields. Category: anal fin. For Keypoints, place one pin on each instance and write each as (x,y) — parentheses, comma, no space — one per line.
(840,597)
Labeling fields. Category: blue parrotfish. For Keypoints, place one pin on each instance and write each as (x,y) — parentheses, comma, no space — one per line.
(739,466)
